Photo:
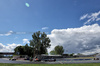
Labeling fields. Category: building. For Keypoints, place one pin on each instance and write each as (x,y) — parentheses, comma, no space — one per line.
(97,57)
(6,54)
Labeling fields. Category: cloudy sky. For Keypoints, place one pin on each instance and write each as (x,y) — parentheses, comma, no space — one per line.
(74,24)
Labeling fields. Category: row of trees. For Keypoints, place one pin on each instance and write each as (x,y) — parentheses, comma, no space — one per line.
(38,45)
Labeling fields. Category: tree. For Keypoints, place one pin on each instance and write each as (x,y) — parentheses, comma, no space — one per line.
(72,54)
(28,50)
(79,54)
(40,43)
(53,52)
(19,50)
(59,50)
(24,50)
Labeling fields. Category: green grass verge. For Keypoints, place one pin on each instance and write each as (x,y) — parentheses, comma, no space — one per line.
(90,64)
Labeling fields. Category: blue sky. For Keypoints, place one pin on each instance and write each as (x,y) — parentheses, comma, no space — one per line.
(55,14)
(29,16)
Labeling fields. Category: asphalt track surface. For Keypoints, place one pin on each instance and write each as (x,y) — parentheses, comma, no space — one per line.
(2,60)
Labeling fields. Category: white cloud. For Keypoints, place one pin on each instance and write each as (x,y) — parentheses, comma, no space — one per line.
(83,17)
(93,17)
(7,34)
(8,47)
(85,39)
(44,28)
(26,41)
(20,32)
(11,32)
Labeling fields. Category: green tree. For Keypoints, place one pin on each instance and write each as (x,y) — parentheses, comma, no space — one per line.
(40,43)
(53,52)
(72,54)
(28,50)
(19,50)
(59,50)
(24,50)
(79,54)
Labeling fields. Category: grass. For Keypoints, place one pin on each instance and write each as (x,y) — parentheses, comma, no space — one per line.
(90,64)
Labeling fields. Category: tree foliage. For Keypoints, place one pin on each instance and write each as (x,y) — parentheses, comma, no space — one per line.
(72,54)
(40,43)
(53,52)
(24,50)
(19,50)
(59,50)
